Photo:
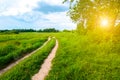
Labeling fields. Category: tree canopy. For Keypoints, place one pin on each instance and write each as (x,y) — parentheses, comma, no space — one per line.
(89,12)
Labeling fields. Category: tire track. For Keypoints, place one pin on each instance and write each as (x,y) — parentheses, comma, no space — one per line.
(46,66)
(13,64)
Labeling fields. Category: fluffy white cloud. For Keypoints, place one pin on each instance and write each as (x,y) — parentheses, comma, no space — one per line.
(58,20)
(20,13)
(16,7)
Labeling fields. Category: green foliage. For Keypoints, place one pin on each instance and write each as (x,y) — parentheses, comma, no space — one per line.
(89,12)
(29,66)
(9,32)
(117,29)
(48,30)
(16,31)
(80,29)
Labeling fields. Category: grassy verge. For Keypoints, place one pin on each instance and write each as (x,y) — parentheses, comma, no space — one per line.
(86,57)
(15,46)
(12,51)
(31,65)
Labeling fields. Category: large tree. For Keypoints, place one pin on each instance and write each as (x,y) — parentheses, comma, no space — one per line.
(89,12)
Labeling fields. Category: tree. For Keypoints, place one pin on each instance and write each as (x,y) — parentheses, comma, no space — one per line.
(48,30)
(89,12)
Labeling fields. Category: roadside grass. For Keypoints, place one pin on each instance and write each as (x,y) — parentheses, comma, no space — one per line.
(21,36)
(29,66)
(94,56)
(12,50)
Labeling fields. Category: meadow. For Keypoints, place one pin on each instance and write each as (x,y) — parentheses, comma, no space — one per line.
(89,52)
(15,46)
(90,56)
(29,66)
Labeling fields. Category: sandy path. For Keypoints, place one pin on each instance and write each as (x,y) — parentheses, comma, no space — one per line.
(46,66)
(13,64)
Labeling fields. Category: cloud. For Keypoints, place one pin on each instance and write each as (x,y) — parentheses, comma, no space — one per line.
(11,23)
(16,7)
(36,14)
(55,2)
(47,8)
(58,20)
(37,20)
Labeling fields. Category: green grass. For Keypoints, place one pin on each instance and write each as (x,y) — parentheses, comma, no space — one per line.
(29,66)
(21,44)
(94,56)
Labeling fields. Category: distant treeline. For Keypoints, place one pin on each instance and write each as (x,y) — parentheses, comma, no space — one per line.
(48,30)
(17,31)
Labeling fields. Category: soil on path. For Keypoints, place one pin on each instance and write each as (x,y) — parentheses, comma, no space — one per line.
(13,64)
(46,66)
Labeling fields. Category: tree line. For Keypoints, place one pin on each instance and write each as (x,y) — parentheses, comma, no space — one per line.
(17,31)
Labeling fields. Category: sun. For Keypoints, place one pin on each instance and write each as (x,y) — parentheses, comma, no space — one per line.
(104,22)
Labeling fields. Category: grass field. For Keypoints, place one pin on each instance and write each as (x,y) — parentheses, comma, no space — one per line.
(15,46)
(93,56)
(29,66)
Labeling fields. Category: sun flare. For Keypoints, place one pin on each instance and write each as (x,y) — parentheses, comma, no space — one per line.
(104,22)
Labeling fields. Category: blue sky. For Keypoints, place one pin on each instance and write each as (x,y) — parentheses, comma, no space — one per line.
(35,14)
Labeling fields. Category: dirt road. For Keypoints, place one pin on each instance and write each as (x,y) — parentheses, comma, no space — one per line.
(46,66)
(13,64)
